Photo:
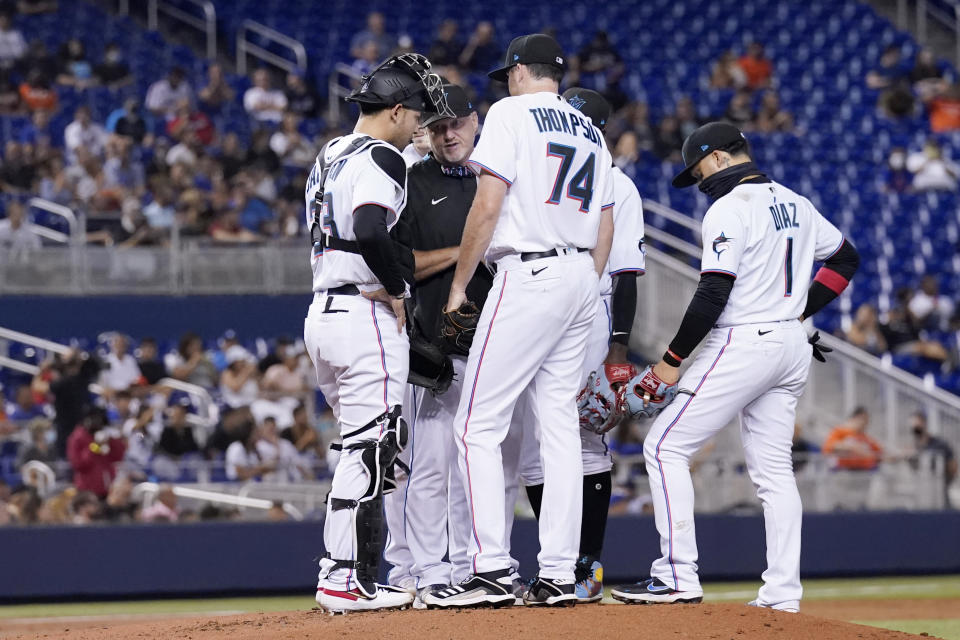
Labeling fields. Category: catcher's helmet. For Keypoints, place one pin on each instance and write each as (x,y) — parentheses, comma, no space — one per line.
(405,80)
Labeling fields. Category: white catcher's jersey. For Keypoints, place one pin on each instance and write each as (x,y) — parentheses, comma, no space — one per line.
(627,252)
(768,238)
(352,182)
(558,170)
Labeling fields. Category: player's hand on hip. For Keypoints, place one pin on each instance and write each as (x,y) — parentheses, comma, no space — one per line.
(381,295)
(666,372)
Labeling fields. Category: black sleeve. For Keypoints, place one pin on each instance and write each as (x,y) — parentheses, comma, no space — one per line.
(843,264)
(702,313)
(623,306)
(403,243)
(377,247)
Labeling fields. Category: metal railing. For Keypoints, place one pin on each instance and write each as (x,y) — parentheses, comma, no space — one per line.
(944,12)
(246,47)
(207,24)
(76,229)
(337,91)
(851,377)
(147,493)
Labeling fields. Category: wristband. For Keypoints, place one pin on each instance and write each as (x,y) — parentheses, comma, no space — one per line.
(671,358)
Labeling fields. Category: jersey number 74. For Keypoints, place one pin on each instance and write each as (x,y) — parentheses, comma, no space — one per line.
(580,186)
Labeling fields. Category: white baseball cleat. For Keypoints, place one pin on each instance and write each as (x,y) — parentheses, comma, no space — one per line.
(790,606)
(387,597)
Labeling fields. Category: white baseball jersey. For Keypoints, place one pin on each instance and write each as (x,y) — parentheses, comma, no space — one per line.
(565,181)
(627,252)
(352,182)
(767,237)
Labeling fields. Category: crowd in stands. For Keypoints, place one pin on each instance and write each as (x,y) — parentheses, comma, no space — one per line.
(139,428)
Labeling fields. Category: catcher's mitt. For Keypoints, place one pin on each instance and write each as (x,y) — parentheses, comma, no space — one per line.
(458,327)
(430,368)
(648,395)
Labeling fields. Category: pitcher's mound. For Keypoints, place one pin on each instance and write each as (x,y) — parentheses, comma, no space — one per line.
(586,622)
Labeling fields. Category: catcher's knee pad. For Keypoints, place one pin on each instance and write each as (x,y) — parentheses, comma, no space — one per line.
(379,455)
(367,533)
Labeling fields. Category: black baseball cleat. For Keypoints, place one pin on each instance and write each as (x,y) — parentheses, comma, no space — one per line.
(654,591)
(558,592)
(491,588)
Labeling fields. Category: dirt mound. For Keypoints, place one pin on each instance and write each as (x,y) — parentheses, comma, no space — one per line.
(707,621)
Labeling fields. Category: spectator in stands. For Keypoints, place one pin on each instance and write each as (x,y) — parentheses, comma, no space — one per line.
(931,171)
(482,51)
(119,506)
(637,115)
(927,76)
(86,508)
(924,443)
(238,382)
(260,157)
(931,309)
(902,333)
(598,65)
(254,212)
(131,122)
(23,505)
(121,370)
(376,33)
(945,110)
(121,172)
(801,448)
(151,367)
(287,377)
(113,72)
(301,433)
(16,233)
(12,45)
(302,99)
(289,467)
(669,141)
(262,102)
(10,102)
(446,47)
(164,94)
(217,91)
(84,132)
(139,432)
(276,356)
(74,70)
(686,115)
(726,73)
(71,378)
(243,461)
(292,147)
(853,448)
(232,155)
(164,508)
(889,72)
(40,447)
(366,62)
(190,364)
(38,59)
(865,331)
(626,151)
(94,452)
(176,439)
(740,111)
(160,213)
(187,120)
(226,228)
(23,409)
(18,171)
(36,94)
(756,66)
(898,179)
(771,117)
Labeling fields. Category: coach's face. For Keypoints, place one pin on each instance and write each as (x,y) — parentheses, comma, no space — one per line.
(452,139)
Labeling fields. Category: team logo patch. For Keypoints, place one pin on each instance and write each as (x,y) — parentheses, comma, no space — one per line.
(704,147)
(576,102)
(516,56)
(721,243)
(642,245)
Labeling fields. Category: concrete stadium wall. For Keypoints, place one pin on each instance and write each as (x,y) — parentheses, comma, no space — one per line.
(217,558)
(160,316)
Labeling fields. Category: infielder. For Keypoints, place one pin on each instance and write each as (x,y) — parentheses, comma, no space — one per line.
(606,364)
(760,241)
(545,184)
(440,191)
(354,327)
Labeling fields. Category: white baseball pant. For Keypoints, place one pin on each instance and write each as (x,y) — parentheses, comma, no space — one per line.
(361,362)
(532,332)
(757,371)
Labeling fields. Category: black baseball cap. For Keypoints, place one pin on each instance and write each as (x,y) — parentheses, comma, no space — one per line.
(531,49)
(589,103)
(702,142)
(458,102)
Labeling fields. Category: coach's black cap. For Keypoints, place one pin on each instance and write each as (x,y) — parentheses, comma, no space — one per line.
(531,49)
(700,143)
(457,101)
(589,103)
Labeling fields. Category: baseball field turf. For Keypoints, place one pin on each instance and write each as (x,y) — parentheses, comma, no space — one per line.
(918,605)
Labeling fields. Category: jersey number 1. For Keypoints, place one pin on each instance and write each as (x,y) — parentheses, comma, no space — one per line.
(580,186)
(788,270)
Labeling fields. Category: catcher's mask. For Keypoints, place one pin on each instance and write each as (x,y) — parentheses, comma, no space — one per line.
(405,80)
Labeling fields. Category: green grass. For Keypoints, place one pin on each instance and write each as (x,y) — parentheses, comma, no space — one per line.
(912,587)
(138,607)
(946,629)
